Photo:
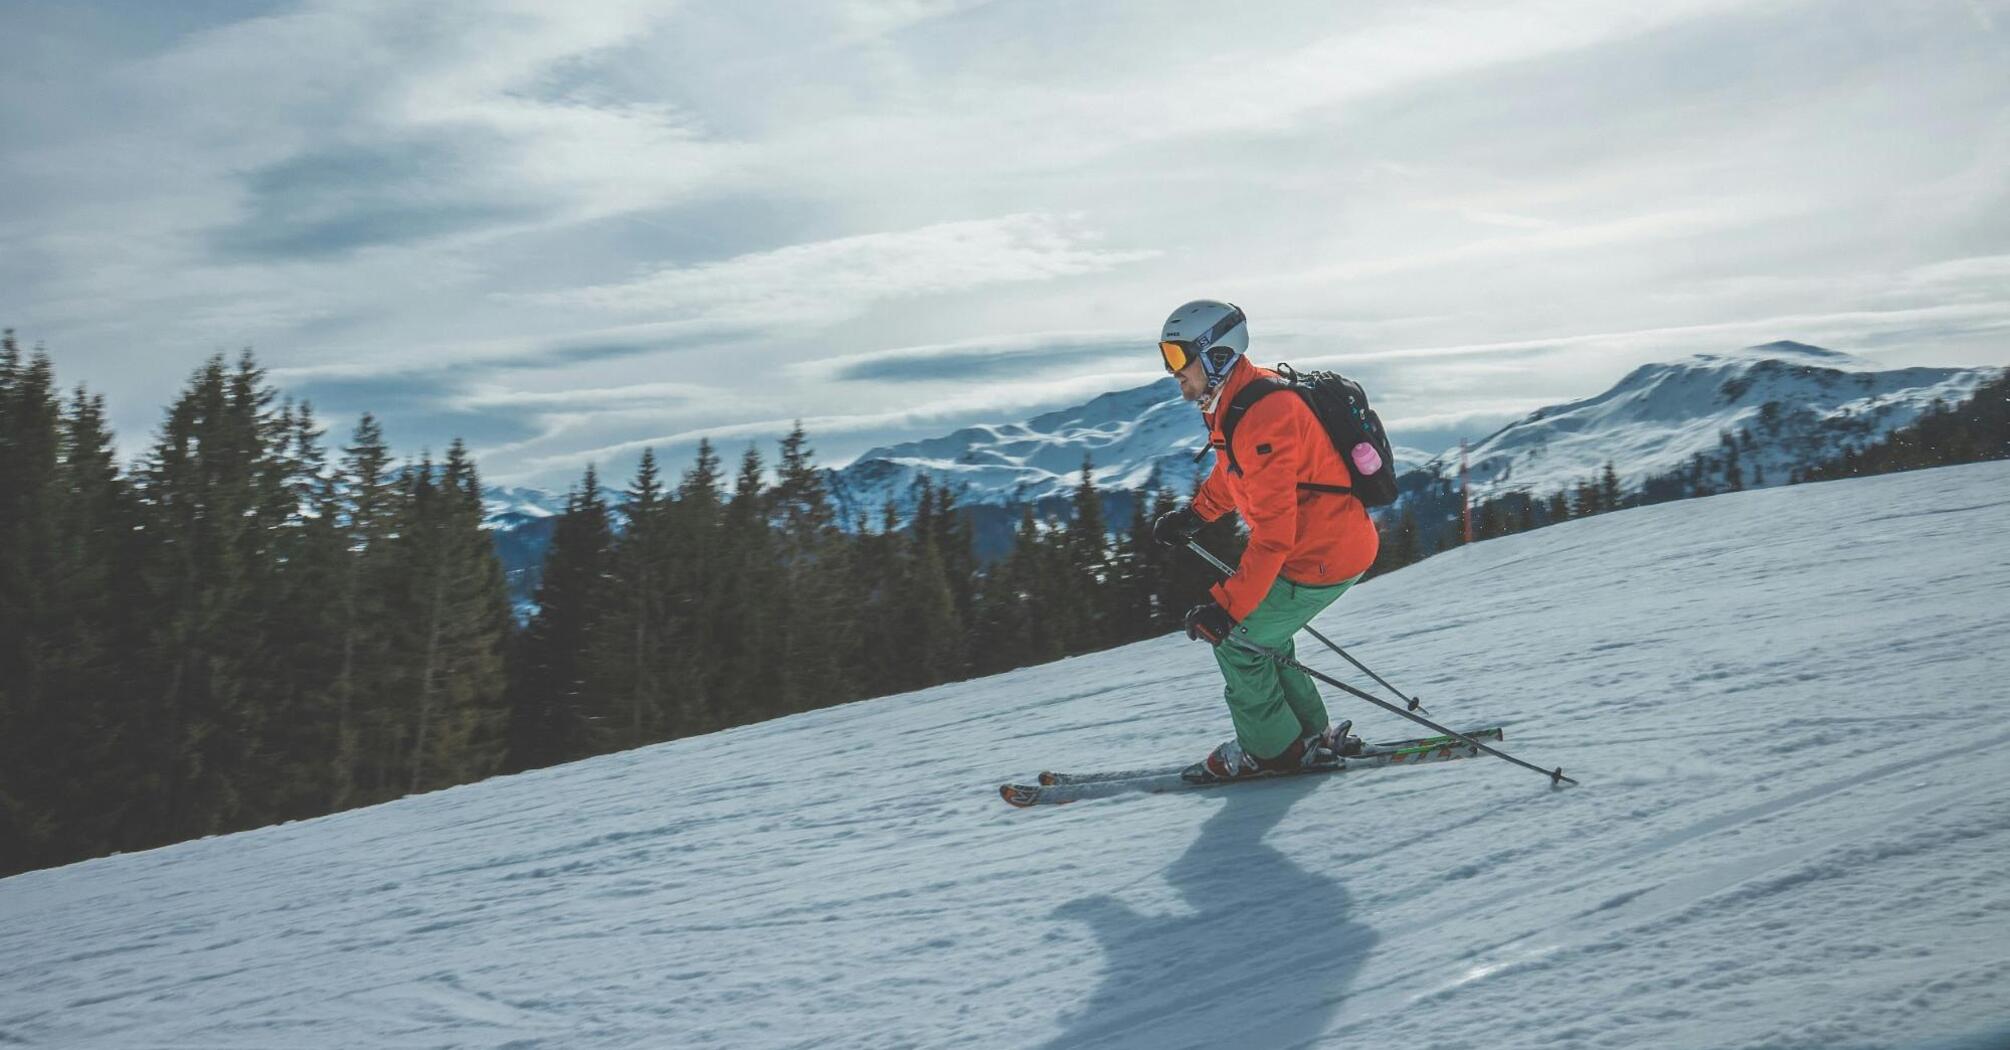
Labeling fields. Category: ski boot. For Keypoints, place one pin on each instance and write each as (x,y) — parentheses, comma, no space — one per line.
(1231,762)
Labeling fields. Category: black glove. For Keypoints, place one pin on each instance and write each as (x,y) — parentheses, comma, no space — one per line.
(1210,622)
(1176,527)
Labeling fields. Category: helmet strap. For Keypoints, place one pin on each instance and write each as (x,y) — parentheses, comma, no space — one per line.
(1217,362)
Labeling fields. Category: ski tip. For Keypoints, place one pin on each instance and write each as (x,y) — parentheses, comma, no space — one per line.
(1018,794)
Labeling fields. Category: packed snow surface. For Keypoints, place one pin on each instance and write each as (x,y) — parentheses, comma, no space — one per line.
(1787,708)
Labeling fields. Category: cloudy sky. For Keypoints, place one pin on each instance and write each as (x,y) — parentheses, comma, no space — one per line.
(570,231)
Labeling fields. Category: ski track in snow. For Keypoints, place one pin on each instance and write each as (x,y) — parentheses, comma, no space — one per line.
(1794,829)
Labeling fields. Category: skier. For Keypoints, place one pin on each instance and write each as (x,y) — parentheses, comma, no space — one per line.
(1306,546)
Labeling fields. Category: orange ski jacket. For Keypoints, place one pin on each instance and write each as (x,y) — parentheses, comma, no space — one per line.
(1306,536)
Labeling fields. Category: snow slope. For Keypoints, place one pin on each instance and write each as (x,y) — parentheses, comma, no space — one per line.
(1787,707)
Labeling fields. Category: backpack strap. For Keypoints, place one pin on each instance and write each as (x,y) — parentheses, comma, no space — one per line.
(1232,415)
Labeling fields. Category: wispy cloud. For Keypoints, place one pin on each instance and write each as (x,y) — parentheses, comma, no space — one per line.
(830,281)
(336,200)
(978,359)
(592,399)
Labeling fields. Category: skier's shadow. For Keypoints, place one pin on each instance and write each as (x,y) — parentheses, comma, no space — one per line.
(1263,959)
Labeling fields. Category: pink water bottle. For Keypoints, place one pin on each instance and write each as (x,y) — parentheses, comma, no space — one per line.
(1366,459)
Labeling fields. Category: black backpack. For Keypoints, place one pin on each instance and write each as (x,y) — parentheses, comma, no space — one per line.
(1342,409)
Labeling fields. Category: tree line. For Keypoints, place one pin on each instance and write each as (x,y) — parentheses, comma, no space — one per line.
(247,626)
(717,602)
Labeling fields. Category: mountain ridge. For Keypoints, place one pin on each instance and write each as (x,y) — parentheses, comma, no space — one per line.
(1135,436)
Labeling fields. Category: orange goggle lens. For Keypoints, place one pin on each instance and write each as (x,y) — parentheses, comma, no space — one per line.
(1175,354)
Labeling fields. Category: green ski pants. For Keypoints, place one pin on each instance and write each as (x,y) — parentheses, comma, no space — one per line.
(1270,704)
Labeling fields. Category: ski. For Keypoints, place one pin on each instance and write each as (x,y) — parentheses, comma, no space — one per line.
(1050,779)
(1161,781)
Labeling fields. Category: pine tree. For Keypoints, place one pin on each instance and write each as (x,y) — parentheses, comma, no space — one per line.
(1026,631)
(1610,497)
(1081,583)
(365,506)
(90,620)
(1493,519)
(1699,469)
(746,676)
(814,630)
(460,730)
(929,634)
(635,647)
(302,711)
(555,715)
(876,579)
(697,584)
(801,507)
(954,540)
(1387,556)
(35,715)
(1585,503)
(206,514)
(1133,566)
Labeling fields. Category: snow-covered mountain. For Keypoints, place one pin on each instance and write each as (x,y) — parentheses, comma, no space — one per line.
(505,507)
(1792,833)
(1127,435)
(1130,437)
(1800,404)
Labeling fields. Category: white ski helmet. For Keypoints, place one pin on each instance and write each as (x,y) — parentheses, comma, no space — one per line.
(1216,332)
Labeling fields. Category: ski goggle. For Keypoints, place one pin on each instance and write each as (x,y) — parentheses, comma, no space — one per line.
(1179,353)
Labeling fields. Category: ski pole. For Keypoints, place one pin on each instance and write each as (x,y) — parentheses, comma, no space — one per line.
(1556,777)
(1415,704)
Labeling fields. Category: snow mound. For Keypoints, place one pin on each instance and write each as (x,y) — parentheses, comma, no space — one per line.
(1792,833)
